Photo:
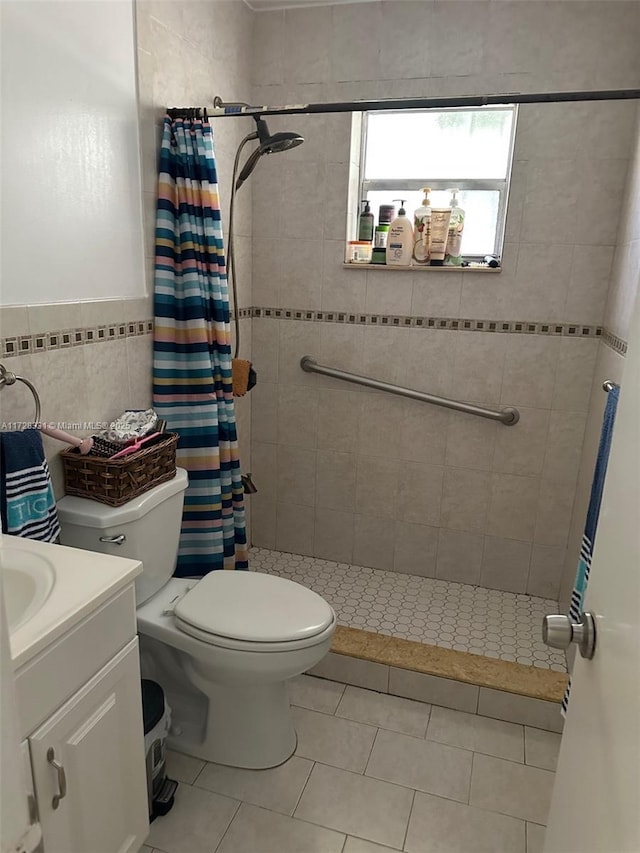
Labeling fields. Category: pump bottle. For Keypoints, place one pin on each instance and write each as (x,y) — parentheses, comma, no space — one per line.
(456,227)
(400,239)
(422,229)
(365,223)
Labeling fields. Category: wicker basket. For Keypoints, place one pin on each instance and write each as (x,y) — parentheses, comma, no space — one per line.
(116,481)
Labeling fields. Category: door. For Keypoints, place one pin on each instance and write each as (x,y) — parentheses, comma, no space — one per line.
(596,799)
(94,798)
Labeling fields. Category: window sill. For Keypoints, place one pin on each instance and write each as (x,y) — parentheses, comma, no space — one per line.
(426,268)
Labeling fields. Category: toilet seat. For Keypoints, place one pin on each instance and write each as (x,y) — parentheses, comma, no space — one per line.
(235,609)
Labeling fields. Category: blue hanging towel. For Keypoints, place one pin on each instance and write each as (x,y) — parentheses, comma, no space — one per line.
(27,502)
(593,513)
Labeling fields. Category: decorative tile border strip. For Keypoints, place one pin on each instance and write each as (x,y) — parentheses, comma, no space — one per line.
(574,330)
(62,339)
(614,342)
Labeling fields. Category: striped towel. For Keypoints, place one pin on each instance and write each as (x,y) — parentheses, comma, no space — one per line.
(27,502)
(593,513)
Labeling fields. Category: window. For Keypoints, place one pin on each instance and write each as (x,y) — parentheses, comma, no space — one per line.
(469,148)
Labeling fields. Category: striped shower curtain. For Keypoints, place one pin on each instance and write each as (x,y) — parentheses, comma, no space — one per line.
(192,387)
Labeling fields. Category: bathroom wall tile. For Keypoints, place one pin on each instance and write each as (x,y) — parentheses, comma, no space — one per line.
(301,182)
(336,200)
(307,31)
(140,367)
(459,556)
(529,371)
(428,357)
(535,838)
(297,339)
(197,821)
(541,748)
(333,740)
(359,805)
(445,26)
(338,417)
(267,187)
(376,488)
(334,534)
(53,317)
(267,261)
(285,834)
(297,416)
(16,403)
(419,493)
(512,511)
(520,449)
(316,694)
(263,521)
(374,541)
(301,274)
(516,789)
(588,284)
(459,828)
(265,347)
(277,788)
(267,47)
(296,481)
(478,367)
(341,347)
(336,480)
(548,130)
(412,24)
(346,670)
(434,296)
(553,518)
(294,528)
(520,709)
(421,764)
(479,734)
(383,411)
(342,289)
(545,571)
(388,293)
(542,281)
(505,564)
(470,441)
(576,363)
(388,712)
(415,549)
(355,57)
(465,499)
(564,446)
(380,354)
(264,412)
(14,320)
(433,689)
(264,467)
(422,432)
(550,178)
(598,208)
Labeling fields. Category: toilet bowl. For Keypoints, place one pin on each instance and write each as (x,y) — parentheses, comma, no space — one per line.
(222,647)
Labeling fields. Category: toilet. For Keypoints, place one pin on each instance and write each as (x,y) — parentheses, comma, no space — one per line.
(222,647)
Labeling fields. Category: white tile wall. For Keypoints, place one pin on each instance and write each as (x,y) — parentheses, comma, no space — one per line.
(570,168)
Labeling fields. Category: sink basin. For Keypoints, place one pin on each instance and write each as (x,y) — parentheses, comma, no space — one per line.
(27,580)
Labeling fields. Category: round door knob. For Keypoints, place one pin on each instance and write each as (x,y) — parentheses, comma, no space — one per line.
(558,631)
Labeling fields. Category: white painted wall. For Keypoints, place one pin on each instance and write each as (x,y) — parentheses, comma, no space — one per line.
(71,206)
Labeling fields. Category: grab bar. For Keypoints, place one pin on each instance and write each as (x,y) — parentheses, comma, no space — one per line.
(507,416)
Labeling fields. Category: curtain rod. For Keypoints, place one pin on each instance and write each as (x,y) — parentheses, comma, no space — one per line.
(224,110)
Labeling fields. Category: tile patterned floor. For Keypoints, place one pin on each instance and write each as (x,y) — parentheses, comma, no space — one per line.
(372,773)
(458,616)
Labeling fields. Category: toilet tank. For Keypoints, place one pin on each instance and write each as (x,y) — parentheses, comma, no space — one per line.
(150,524)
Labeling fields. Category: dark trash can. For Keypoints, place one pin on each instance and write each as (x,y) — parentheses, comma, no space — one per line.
(156,716)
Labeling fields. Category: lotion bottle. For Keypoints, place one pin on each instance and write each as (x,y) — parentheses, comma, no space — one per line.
(400,239)
(365,223)
(422,229)
(456,227)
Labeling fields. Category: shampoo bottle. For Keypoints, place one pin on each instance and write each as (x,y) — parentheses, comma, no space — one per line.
(400,239)
(422,229)
(365,223)
(456,227)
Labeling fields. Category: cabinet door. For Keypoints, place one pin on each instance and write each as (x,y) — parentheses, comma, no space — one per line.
(97,738)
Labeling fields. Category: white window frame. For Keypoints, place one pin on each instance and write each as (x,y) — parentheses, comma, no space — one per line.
(391,185)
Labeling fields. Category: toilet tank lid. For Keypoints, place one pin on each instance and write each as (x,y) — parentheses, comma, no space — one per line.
(86,513)
(254,606)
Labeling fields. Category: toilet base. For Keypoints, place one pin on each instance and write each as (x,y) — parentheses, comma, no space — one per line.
(246,726)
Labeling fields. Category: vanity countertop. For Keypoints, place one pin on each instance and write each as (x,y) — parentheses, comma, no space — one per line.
(83,581)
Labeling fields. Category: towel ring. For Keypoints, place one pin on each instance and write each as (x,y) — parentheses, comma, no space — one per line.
(9,378)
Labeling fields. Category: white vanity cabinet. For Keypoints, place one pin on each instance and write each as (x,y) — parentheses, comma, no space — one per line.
(80,706)
(90,789)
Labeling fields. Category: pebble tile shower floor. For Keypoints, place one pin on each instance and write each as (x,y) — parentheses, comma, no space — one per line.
(473,619)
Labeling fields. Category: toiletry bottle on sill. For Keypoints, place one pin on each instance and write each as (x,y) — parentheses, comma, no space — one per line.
(453,256)
(365,223)
(422,229)
(400,239)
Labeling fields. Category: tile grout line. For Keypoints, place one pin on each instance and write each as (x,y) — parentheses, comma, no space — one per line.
(233,817)
(406,829)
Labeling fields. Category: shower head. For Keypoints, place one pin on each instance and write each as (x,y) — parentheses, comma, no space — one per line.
(269,144)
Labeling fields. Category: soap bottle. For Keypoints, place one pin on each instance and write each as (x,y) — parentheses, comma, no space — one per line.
(422,229)
(365,223)
(400,239)
(456,227)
